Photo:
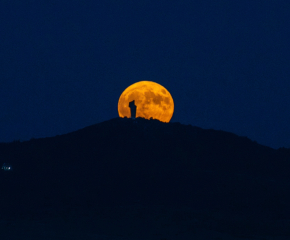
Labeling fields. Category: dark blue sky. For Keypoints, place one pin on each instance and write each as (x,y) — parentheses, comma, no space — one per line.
(64,64)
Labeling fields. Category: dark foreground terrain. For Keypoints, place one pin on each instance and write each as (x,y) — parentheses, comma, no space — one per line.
(144,179)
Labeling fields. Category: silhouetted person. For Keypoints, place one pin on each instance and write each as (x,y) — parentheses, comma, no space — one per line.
(133,108)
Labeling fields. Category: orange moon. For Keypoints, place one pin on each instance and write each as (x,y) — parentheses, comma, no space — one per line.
(152,101)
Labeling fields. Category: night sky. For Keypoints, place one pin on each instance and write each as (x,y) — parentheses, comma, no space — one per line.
(64,64)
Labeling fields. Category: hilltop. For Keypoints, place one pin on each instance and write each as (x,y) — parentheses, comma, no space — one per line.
(123,161)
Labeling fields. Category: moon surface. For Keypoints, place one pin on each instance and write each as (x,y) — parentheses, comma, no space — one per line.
(152,101)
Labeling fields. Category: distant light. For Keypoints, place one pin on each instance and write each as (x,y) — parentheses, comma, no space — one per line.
(6,167)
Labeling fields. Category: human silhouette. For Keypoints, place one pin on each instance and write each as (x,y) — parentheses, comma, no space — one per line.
(133,108)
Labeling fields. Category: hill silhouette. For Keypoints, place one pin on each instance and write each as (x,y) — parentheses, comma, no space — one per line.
(123,161)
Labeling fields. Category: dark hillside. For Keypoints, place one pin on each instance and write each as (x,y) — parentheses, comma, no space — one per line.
(122,161)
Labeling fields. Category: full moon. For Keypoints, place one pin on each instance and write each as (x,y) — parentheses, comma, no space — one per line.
(152,101)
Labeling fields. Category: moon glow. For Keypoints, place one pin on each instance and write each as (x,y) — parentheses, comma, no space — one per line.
(152,101)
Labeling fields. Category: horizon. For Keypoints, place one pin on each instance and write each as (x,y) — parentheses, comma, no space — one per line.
(134,119)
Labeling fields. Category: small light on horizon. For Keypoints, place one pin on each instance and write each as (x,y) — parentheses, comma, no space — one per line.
(6,167)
